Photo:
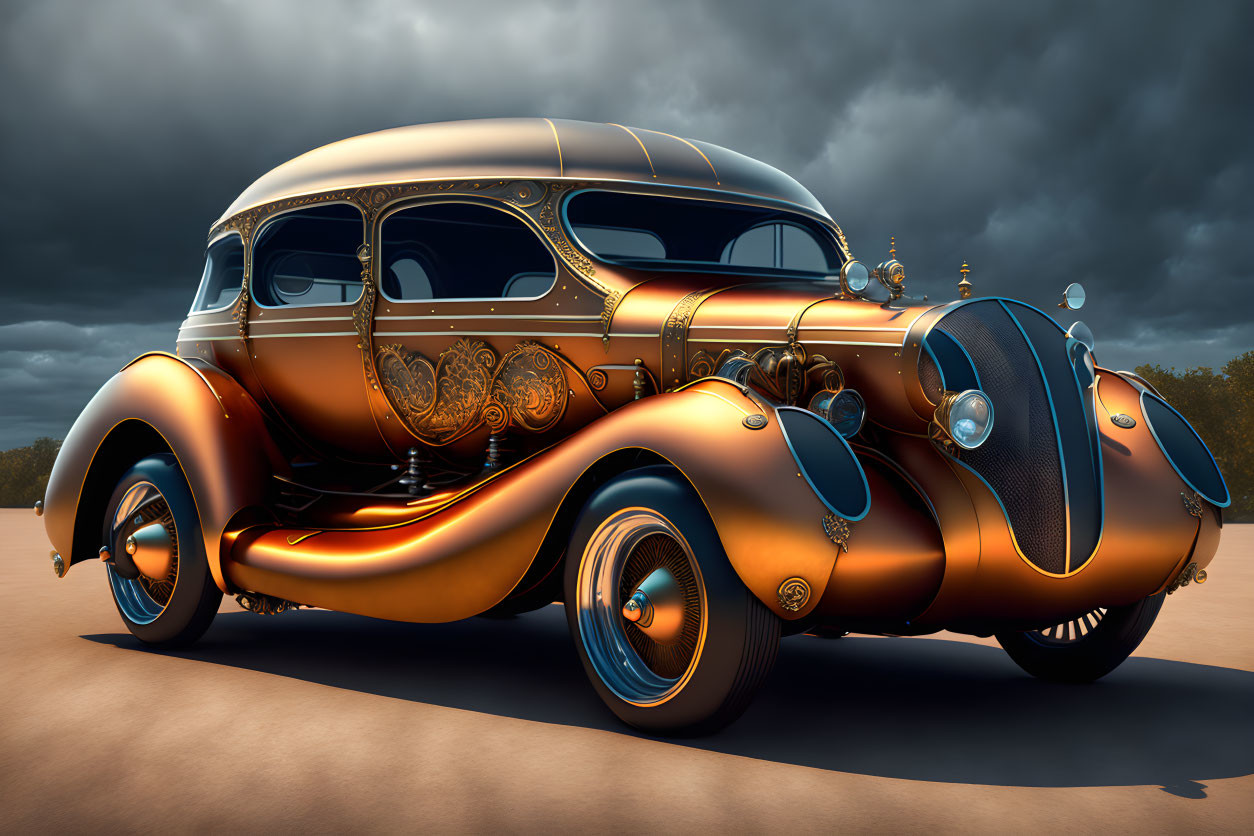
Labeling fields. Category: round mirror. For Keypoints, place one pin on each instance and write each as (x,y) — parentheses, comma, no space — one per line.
(1081,334)
(1073,296)
(854,276)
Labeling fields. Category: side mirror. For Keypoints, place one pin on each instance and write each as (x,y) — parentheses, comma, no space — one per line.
(1073,297)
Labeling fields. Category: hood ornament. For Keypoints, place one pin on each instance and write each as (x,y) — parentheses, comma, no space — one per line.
(964,284)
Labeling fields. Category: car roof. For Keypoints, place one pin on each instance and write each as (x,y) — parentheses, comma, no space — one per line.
(522,148)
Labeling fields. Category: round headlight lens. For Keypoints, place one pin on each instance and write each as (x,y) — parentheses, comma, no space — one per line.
(855,276)
(845,410)
(969,418)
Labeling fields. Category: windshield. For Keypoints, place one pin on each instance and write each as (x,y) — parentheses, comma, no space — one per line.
(668,233)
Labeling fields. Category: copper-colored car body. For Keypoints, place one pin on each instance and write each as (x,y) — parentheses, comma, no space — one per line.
(614,366)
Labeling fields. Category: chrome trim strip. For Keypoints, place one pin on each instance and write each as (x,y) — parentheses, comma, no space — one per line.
(807,342)
(457,333)
(800,328)
(229,324)
(532,317)
(300,319)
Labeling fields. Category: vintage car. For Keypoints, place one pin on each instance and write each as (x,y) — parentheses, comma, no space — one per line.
(476,368)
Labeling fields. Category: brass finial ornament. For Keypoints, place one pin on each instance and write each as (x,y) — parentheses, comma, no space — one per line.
(891,273)
(964,284)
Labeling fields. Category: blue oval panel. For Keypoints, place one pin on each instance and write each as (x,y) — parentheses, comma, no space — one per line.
(826,461)
(1185,449)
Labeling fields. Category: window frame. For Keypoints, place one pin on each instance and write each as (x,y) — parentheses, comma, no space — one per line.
(377,245)
(243,279)
(261,228)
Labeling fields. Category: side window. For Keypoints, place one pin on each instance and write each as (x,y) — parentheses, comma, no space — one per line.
(619,242)
(224,274)
(780,246)
(461,251)
(309,257)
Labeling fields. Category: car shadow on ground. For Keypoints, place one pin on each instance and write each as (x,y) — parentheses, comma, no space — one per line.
(928,710)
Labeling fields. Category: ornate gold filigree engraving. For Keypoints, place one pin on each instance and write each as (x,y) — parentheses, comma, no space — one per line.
(1189,574)
(675,339)
(838,530)
(1192,504)
(793,594)
(468,387)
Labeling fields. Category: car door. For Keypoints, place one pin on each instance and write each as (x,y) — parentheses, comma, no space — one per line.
(473,328)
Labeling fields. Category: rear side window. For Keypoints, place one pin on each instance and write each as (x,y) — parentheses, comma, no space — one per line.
(309,257)
(224,275)
(461,251)
(776,246)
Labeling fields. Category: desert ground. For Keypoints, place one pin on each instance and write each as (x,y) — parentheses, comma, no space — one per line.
(321,722)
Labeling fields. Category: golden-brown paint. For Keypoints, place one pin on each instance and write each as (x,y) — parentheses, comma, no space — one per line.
(253,388)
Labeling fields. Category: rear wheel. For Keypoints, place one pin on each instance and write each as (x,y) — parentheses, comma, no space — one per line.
(671,639)
(158,573)
(1085,648)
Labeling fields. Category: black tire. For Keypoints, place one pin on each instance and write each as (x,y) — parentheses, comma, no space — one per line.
(1083,649)
(704,678)
(172,613)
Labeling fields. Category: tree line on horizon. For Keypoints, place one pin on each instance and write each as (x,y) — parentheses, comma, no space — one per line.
(1220,406)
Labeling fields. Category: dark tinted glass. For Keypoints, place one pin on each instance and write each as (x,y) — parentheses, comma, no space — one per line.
(223,276)
(309,257)
(701,235)
(462,251)
(1184,448)
(827,462)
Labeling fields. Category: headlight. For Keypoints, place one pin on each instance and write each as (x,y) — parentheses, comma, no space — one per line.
(845,410)
(966,416)
(854,277)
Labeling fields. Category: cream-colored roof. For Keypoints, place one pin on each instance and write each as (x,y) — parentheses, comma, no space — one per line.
(522,148)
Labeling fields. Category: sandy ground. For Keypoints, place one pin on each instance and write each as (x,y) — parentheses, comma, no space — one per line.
(321,722)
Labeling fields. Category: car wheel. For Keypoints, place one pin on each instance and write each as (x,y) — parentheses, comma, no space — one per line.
(671,639)
(158,572)
(1085,648)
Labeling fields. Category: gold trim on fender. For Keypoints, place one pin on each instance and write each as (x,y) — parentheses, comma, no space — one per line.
(793,594)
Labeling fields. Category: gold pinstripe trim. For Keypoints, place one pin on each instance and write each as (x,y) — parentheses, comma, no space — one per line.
(561,166)
(717,182)
(642,148)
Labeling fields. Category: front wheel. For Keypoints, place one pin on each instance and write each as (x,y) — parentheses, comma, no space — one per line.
(671,639)
(1086,648)
(158,572)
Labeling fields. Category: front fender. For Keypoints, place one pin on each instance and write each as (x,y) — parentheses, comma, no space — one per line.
(205,418)
(468,552)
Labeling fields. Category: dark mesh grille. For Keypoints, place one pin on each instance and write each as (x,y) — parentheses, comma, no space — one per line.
(1020,458)
(1073,410)
(929,376)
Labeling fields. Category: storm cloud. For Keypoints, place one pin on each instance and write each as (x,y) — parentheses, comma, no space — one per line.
(1106,143)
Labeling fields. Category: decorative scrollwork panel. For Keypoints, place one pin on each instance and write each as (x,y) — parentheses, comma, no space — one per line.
(468,386)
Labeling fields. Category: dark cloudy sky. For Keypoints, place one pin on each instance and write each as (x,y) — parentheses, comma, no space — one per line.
(1106,143)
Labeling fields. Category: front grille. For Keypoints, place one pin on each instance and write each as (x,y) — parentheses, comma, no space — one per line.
(1041,456)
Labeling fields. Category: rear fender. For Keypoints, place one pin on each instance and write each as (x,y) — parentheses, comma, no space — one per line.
(162,403)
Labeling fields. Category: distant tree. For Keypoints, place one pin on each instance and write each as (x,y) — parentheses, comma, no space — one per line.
(1219,406)
(24,472)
